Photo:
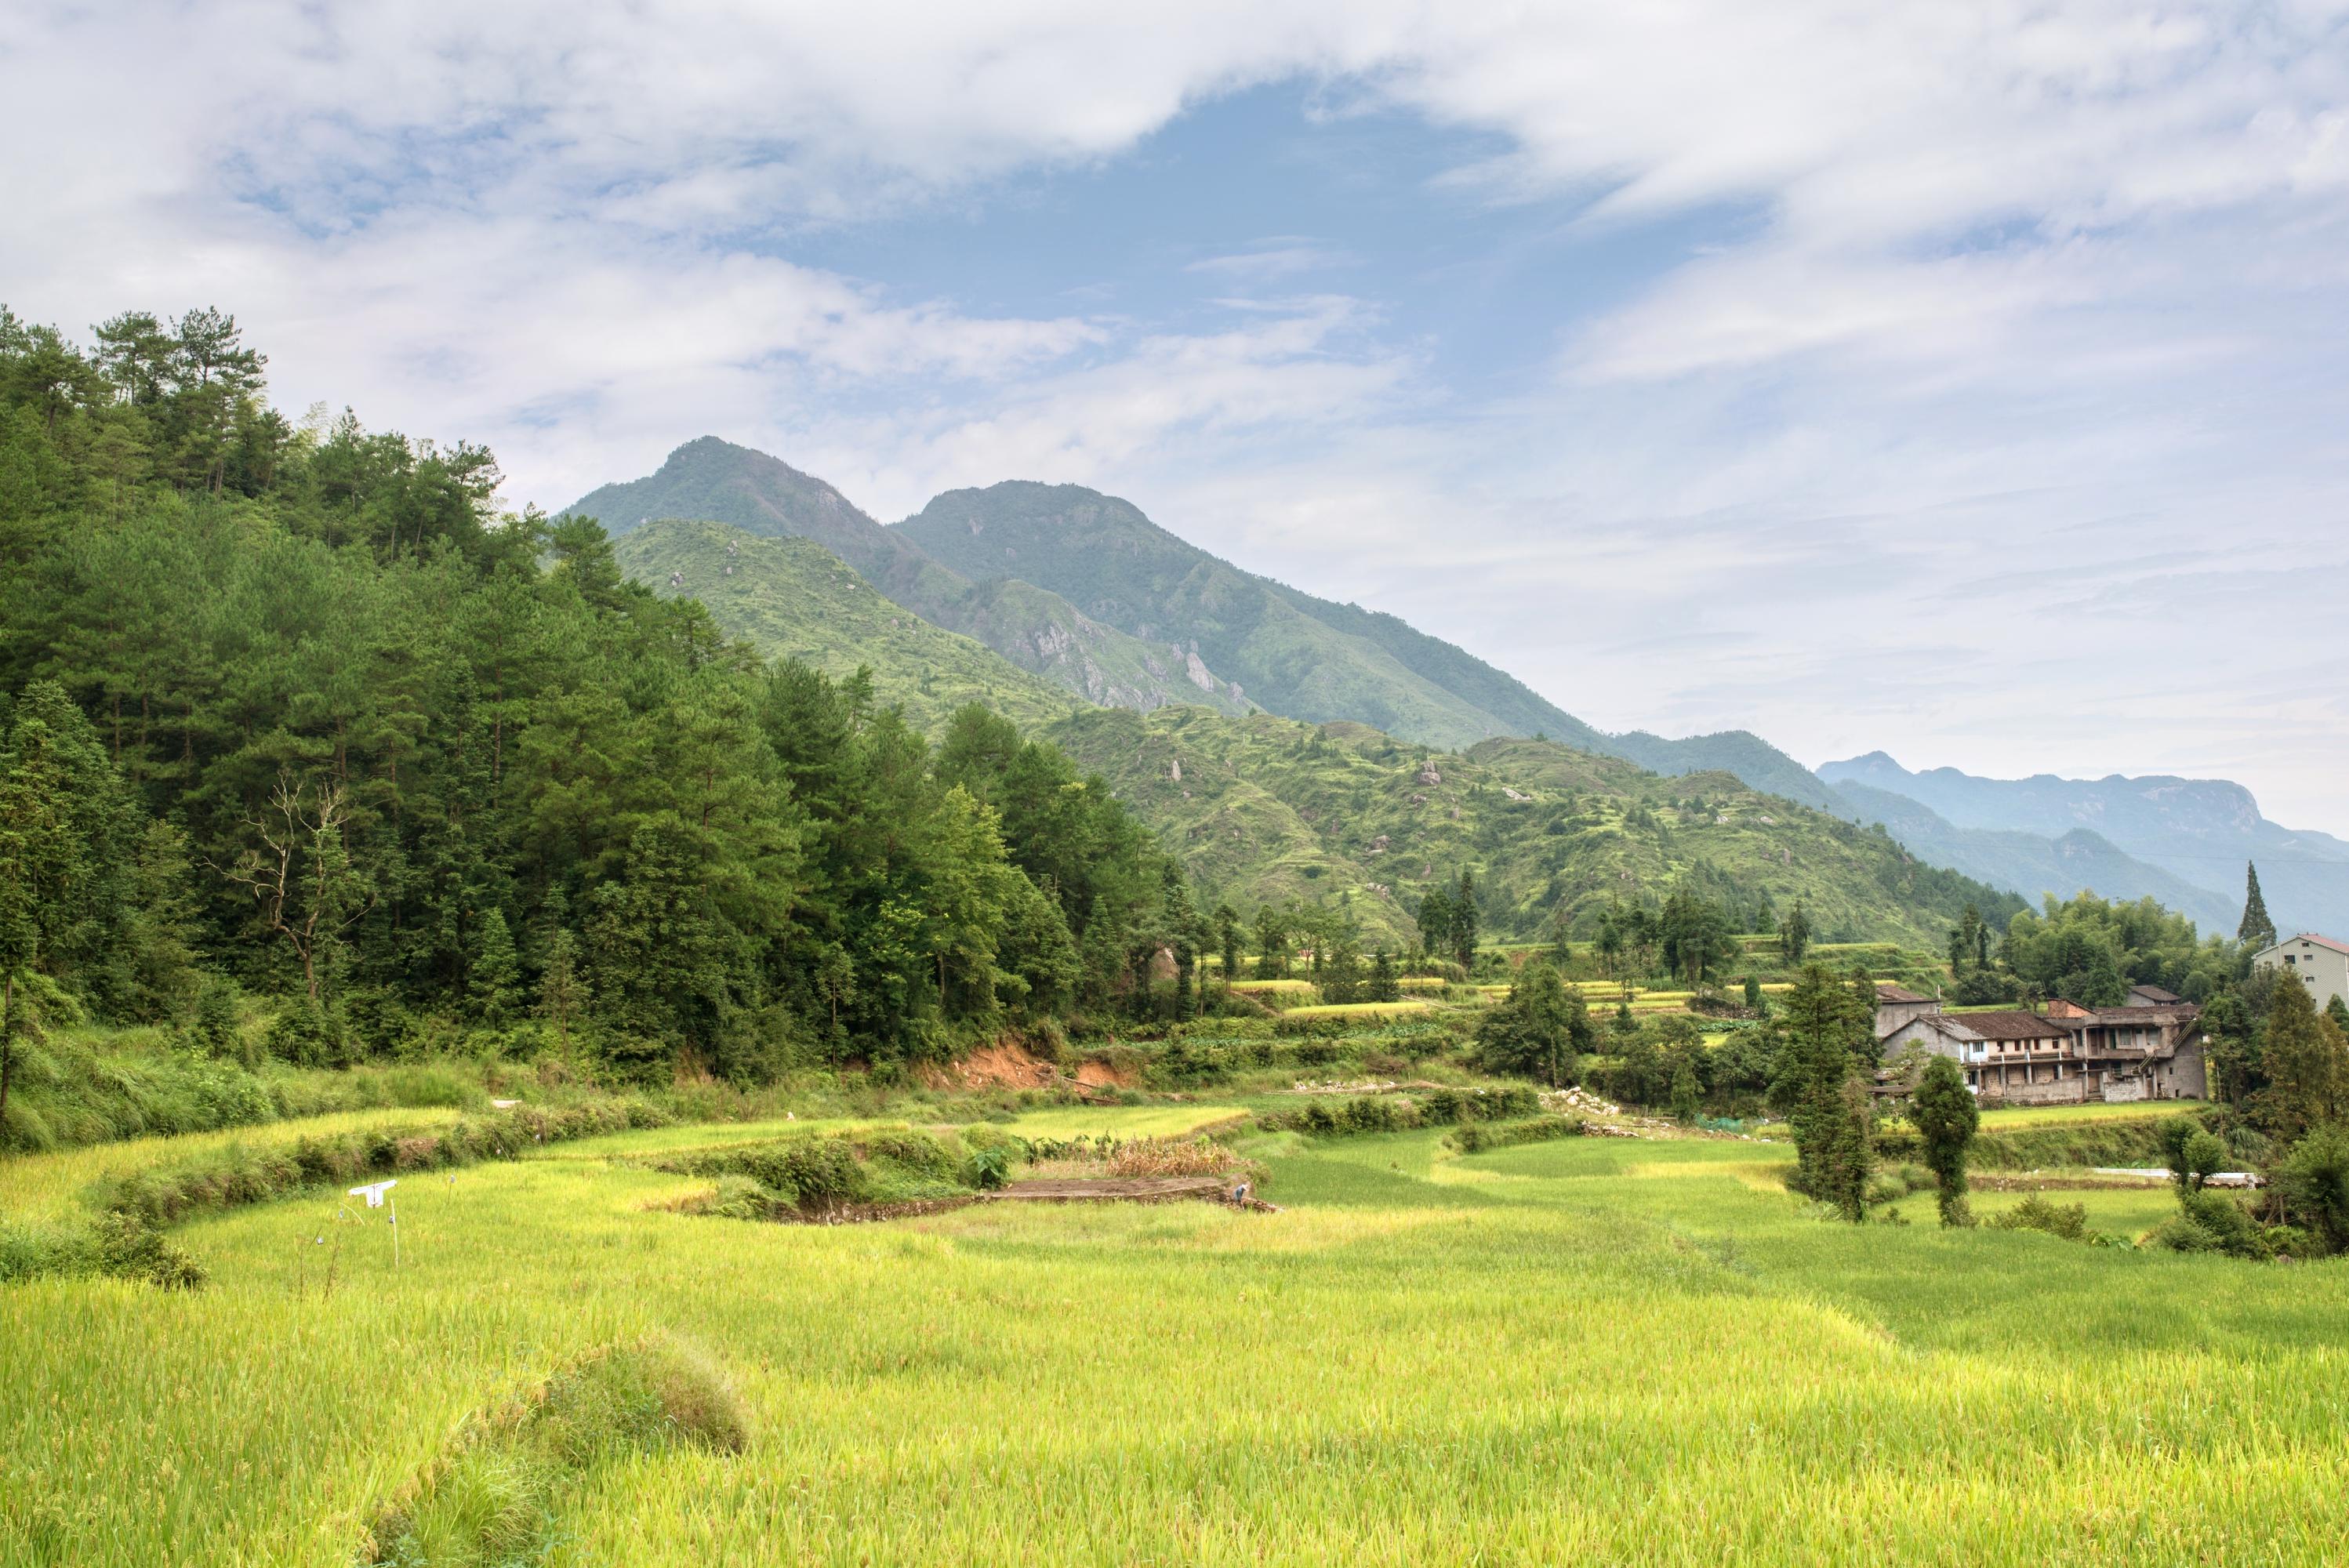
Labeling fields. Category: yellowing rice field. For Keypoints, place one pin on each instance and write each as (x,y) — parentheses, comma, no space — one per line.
(1590,1349)
(1358,1009)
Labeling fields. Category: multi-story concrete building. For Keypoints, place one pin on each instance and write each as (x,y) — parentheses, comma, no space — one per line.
(2067,1054)
(2321,963)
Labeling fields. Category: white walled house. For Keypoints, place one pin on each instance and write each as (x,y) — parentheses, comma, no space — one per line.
(2321,963)
(2065,1056)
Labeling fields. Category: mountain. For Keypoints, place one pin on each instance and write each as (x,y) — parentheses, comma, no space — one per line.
(1267,808)
(1117,566)
(2199,830)
(2033,865)
(1750,757)
(1292,653)
(713,480)
(792,598)
(1264,808)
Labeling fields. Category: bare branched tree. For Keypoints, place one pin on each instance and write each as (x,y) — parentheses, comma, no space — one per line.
(300,872)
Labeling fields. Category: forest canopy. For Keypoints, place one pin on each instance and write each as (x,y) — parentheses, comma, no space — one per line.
(292,706)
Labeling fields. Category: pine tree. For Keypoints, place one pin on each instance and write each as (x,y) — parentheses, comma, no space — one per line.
(1684,1092)
(2258,929)
(1947,1119)
(1821,1031)
(1464,921)
(1794,934)
(1271,944)
(2307,1063)
(1228,941)
(495,980)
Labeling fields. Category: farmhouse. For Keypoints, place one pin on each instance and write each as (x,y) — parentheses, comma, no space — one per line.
(2322,964)
(2066,1055)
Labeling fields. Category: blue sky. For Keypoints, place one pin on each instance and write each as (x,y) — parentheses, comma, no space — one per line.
(1964,382)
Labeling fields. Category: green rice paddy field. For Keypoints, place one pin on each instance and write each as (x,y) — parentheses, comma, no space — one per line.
(1586,1350)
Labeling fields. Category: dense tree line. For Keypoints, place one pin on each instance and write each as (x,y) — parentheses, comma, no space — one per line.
(2089,950)
(295,707)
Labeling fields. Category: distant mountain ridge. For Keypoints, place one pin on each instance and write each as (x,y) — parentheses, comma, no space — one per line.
(1293,652)
(712,480)
(2199,831)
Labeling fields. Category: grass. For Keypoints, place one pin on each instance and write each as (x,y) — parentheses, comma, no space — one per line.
(1600,1349)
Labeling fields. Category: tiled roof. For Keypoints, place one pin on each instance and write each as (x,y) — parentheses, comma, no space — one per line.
(2145,1014)
(2320,941)
(2012,1026)
(1886,991)
(2156,996)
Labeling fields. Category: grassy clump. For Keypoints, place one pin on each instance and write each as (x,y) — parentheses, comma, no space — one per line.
(810,1174)
(2068,1220)
(492,1499)
(1475,1136)
(1335,1116)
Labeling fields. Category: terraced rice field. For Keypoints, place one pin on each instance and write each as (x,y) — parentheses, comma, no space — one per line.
(40,1186)
(1359,1009)
(1586,1350)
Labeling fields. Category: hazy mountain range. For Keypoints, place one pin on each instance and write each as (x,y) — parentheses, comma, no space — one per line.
(1097,607)
(2183,841)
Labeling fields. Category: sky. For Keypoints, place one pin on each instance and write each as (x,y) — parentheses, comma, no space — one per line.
(1966,381)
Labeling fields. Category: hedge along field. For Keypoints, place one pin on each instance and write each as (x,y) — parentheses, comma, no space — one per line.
(1623,1349)
(42,1186)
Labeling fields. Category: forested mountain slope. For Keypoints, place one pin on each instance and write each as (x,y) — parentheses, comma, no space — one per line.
(1292,653)
(2200,831)
(1267,810)
(794,599)
(1264,807)
(714,480)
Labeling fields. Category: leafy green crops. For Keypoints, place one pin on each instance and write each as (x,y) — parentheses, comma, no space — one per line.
(1589,1348)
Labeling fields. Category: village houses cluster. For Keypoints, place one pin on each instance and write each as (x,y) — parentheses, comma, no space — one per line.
(2151,1047)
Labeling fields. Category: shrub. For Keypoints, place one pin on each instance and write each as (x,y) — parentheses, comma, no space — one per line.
(1477,1136)
(2209,1222)
(988,1169)
(2314,1187)
(306,1036)
(2069,1220)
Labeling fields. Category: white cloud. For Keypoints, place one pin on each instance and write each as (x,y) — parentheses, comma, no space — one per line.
(2016,295)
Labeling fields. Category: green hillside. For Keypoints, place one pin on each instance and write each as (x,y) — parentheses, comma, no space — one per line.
(715,481)
(790,597)
(1269,809)
(1292,653)
(1266,808)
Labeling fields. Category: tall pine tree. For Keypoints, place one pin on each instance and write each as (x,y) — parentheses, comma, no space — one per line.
(2258,929)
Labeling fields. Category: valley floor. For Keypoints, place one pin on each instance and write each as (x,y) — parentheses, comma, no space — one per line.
(1594,1348)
